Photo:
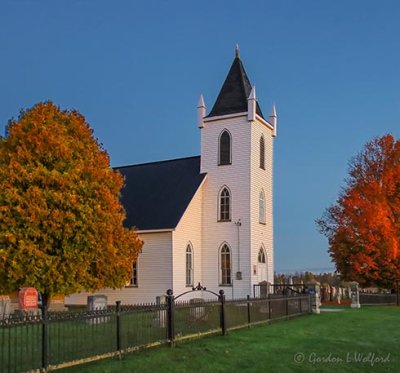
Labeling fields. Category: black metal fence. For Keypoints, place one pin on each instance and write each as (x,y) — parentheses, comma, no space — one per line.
(54,340)
(264,289)
(379,299)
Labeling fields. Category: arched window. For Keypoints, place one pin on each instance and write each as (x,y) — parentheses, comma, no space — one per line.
(261,256)
(225,263)
(261,208)
(224,156)
(262,153)
(189,266)
(224,205)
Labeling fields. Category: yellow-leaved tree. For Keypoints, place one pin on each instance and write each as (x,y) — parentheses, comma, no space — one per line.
(61,220)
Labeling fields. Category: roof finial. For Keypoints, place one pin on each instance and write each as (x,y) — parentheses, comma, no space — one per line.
(237,55)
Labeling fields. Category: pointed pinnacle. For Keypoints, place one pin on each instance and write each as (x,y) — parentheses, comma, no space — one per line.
(273,111)
(252,95)
(201,102)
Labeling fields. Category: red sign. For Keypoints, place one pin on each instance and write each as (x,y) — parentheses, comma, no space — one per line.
(28,298)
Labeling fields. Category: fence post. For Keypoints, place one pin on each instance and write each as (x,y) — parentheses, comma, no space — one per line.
(118,320)
(287,306)
(45,359)
(269,306)
(170,316)
(397,293)
(222,315)
(300,310)
(248,311)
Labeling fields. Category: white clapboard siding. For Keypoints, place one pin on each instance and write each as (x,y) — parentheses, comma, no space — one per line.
(154,274)
(237,178)
(187,232)
(245,179)
(262,234)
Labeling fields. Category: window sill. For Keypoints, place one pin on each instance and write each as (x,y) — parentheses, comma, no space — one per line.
(224,164)
(225,285)
(224,221)
(131,286)
(189,286)
(261,222)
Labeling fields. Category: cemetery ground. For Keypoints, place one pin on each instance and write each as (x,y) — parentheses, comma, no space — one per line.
(352,340)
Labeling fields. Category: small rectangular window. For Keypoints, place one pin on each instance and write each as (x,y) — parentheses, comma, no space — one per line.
(262,153)
(134,279)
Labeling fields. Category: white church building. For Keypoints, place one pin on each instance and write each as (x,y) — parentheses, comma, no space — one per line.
(206,219)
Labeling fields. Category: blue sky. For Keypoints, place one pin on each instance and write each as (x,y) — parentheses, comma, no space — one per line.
(135,69)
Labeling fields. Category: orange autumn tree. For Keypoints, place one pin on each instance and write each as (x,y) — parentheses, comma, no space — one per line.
(363,226)
(61,220)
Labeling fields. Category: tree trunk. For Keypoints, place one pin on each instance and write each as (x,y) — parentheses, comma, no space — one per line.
(45,300)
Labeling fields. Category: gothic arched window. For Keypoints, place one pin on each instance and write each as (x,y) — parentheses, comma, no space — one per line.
(261,208)
(225,265)
(224,153)
(189,265)
(261,256)
(224,213)
(262,153)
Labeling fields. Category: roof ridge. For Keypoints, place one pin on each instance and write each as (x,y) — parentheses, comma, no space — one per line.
(157,162)
(243,76)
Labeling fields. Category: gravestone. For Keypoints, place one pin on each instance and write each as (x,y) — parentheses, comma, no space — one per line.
(339,295)
(264,289)
(97,303)
(355,295)
(5,306)
(161,318)
(28,298)
(314,291)
(28,301)
(198,313)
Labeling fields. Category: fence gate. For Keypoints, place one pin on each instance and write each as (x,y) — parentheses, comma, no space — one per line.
(172,309)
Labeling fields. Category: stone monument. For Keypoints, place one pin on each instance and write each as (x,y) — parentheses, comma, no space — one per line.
(314,291)
(355,295)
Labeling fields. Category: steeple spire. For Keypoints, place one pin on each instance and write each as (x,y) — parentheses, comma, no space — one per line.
(237,54)
(235,91)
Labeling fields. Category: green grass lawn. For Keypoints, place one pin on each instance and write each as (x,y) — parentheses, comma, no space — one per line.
(331,341)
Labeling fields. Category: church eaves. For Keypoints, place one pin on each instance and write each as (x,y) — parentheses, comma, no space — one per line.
(234,93)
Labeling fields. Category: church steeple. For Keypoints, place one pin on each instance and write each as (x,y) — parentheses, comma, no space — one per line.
(235,91)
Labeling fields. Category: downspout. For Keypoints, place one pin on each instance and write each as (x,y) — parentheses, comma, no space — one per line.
(239,272)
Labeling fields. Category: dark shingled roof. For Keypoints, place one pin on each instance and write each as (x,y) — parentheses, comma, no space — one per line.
(234,93)
(156,195)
